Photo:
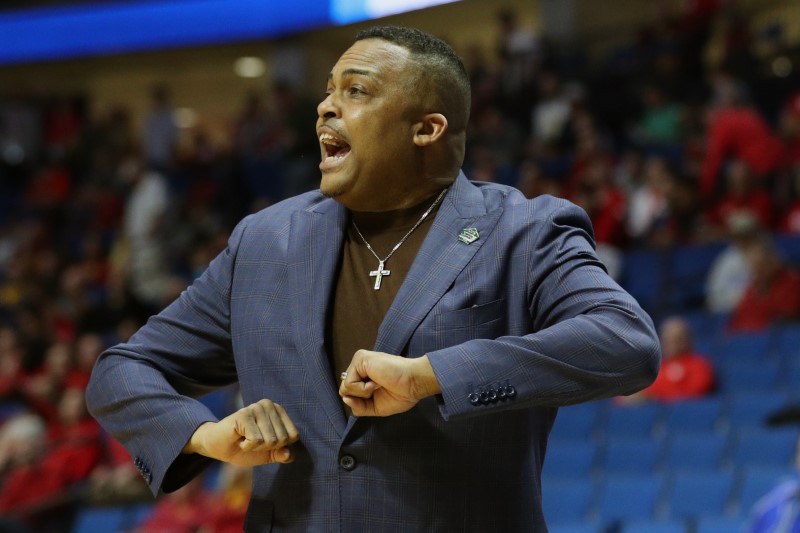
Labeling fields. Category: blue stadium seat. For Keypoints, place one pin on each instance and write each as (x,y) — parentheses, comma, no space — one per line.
(746,375)
(765,447)
(566,501)
(569,459)
(694,494)
(625,497)
(633,420)
(750,408)
(791,374)
(643,277)
(786,342)
(577,421)
(688,270)
(92,520)
(114,519)
(220,402)
(756,482)
(719,524)
(632,455)
(742,346)
(652,526)
(574,528)
(789,247)
(693,416)
(698,451)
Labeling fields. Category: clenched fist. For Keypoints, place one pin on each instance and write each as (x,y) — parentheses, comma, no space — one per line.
(254,435)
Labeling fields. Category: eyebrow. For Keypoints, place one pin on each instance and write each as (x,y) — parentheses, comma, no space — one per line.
(352,72)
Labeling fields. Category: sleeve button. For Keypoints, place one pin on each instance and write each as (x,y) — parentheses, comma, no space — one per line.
(347,462)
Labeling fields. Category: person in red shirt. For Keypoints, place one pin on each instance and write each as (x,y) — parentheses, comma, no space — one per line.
(684,373)
(790,130)
(736,130)
(773,294)
(743,194)
(30,491)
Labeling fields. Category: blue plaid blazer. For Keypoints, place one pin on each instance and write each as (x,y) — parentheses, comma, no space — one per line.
(517,323)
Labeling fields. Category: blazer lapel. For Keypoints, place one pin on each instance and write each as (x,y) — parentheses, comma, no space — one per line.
(440,259)
(314,248)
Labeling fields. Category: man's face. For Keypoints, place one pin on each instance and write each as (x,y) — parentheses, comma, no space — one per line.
(365,127)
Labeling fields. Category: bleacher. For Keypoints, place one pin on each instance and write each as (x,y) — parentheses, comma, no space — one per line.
(688,467)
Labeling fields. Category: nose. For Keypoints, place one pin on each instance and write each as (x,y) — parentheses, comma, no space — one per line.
(328,108)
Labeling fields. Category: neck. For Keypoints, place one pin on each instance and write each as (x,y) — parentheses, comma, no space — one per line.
(372,222)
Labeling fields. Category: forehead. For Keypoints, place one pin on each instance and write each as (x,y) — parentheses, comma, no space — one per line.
(374,58)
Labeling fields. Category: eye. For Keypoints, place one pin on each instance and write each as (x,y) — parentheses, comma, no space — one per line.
(356,90)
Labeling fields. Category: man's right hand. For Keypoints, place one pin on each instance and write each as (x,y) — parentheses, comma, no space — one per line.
(254,435)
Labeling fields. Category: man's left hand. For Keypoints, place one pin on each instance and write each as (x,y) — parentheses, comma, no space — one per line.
(381,384)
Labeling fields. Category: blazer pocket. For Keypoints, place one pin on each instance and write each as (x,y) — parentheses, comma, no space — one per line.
(471,317)
(259,516)
(485,321)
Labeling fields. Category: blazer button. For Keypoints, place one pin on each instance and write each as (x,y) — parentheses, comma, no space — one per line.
(484,396)
(347,462)
(474,399)
(491,395)
(511,391)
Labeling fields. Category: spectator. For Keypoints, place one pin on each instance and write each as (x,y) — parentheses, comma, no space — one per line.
(160,134)
(649,201)
(22,440)
(31,491)
(551,113)
(145,218)
(773,294)
(735,129)
(790,129)
(190,509)
(661,121)
(742,194)
(115,480)
(684,374)
(790,222)
(729,274)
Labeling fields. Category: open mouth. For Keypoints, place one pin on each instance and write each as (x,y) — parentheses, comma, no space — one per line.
(335,148)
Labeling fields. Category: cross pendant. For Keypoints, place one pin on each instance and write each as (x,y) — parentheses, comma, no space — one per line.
(378,275)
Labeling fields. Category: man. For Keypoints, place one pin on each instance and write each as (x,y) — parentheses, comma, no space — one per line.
(772,295)
(480,323)
(684,374)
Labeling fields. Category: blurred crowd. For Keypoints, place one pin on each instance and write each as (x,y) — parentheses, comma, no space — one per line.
(682,135)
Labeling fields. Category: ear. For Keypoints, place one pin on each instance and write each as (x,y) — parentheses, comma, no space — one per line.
(430,129)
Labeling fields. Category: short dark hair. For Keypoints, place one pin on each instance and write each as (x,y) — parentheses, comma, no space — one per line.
(441,70)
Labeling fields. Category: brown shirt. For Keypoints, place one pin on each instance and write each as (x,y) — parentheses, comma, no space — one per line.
(357,308)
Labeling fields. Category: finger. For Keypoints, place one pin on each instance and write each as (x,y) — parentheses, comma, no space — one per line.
(281,436)
(246,426)
(264,421)
(359,406)
(263,457)
(291,431)
(360,389)
(282,455)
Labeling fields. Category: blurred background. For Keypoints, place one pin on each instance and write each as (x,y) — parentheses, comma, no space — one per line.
(134,134)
